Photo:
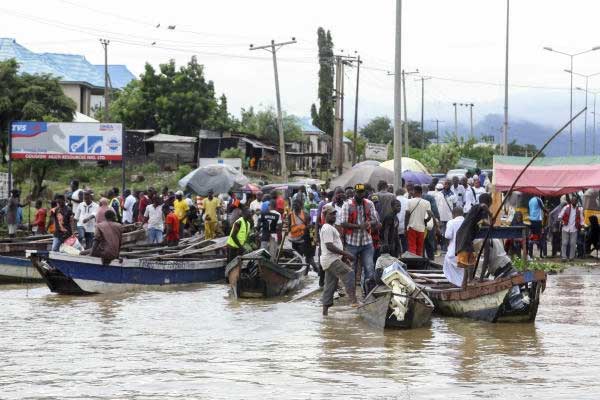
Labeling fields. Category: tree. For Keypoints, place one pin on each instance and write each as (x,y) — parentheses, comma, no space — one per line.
(323,118)
(361,144)
(232,152)
(172,101)
(378,130)
(263,123)
(33,98)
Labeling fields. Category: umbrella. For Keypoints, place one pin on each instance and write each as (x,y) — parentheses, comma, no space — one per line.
(251,188)
(408,164)
(218,177)
(367,175)
(416,177)
(366,164)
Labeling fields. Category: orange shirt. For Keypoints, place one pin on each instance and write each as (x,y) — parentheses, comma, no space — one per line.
(174,222)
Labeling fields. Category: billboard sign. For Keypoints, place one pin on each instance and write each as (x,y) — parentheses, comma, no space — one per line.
(66,141)
(376,151)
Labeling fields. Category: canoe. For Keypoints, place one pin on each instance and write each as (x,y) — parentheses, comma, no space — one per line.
(378,312)
(255,275)
(509,299)
(17,270)
(78,275)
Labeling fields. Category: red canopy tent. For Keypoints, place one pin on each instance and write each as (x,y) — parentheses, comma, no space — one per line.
(547,176)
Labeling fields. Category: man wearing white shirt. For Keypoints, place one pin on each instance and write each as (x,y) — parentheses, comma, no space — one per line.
(401,197)
(255,206)
(459,191)
(452,271)
(85,215)
(572,221)
(130,201)
(154,217)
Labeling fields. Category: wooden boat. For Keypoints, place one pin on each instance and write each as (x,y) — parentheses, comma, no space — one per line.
(78,275)
(487,300)
(17,270)
(377,310)
(255,275)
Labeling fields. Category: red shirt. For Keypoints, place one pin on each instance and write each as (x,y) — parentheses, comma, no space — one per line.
(40,220)
(280,204)
(174,222)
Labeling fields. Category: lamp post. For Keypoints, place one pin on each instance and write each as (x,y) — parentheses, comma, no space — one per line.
(587,78)
(571,55)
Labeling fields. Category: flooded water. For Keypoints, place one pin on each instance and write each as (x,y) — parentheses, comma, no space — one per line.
(199,343)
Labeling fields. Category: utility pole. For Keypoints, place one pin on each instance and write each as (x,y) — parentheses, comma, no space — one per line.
(455,120)
(397,99)
(358,62)
(423,79)
(471,118)
(105,43)
(273,47)
(437,129)
(505,127)
(594,130)
(337,126)
(406,141)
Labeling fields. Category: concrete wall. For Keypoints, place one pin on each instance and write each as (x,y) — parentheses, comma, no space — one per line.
(73,92)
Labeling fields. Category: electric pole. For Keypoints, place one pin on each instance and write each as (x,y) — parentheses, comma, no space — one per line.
(455,120)
(437,129)
(338,128)
(471,118)
(423,79)
(397,99)
(505,127)
(405,126)
(273,47)
(105,43)
(358,62)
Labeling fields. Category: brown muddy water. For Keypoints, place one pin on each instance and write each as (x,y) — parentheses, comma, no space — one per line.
(199,343)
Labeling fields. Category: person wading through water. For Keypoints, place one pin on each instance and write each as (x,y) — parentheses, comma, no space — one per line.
(239,235)
(333,261)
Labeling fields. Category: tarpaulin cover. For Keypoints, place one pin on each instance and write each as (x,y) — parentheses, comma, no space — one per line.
(218,177)
(547,176)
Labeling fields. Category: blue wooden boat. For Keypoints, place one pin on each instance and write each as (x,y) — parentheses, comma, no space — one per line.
(17,270)
(78,275)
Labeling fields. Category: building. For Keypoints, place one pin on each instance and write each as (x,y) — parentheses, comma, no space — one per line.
(168,149)
(82,81)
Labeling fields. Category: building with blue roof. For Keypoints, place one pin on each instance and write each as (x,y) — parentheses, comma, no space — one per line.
(81,80)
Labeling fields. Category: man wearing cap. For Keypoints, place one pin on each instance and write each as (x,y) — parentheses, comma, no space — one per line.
(358,218)
(181,210)
(332,260)
(85,215)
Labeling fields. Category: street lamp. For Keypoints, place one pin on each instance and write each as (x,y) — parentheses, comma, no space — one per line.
(587,77)
(593,120)
(571,55)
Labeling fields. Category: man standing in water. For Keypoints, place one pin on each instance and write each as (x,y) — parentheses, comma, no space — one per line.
(332,260)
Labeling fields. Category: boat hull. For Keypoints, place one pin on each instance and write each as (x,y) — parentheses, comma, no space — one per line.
(376,311)
(267,280)
(17,270)
(69,274)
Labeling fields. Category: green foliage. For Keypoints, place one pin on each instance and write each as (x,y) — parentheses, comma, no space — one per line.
(263,123)
(521,265)
(35,98)
(232,152)
(183,170)
(323,118)
(361,143)
(172,101)
(378,130)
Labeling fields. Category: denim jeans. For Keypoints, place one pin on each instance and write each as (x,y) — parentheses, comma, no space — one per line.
(155,235)
(365,255)
(56,242)
(403,243)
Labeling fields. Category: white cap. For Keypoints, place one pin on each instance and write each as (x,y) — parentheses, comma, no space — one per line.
(439,186)
(179,193)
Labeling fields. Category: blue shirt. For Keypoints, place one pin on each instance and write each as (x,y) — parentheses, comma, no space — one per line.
(535,209)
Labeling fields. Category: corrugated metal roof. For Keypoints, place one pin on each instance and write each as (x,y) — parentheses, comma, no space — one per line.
(164,138)
(308,128)
(258,145)
(68,67)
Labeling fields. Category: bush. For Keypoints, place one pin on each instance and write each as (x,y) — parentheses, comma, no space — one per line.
(232,152)
(183,170)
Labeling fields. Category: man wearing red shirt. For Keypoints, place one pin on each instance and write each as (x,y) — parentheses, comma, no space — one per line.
(40,218)
(171,227)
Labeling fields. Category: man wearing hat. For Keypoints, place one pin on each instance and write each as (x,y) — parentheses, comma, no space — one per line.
(359,217)
(332,260)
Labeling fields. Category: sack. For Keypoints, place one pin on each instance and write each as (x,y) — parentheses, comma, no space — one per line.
(71,246)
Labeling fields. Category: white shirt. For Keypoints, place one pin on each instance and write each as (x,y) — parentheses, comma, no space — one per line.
(418,208)
(452,272)
(498,256)
(155,217)
(255,206)
(84,211)
(329,234)
(338,214)
(444,205)
(459,192)
(402,214)
(128,209)
(571,225)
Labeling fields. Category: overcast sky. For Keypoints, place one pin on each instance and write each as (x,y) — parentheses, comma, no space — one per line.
(460,43)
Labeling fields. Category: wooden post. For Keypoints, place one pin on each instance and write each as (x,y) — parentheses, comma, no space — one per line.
(525,248)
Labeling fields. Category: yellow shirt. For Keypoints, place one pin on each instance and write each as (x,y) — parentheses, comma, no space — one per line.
(181,209)
(210,208)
